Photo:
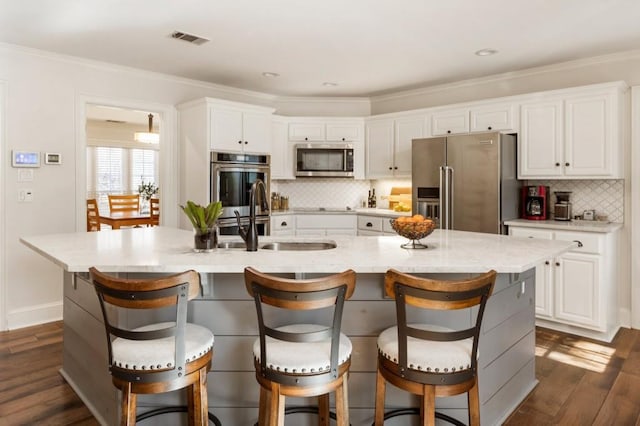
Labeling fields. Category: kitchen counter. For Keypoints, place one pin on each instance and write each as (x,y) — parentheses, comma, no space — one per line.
(507,347)
(163,249)
(331,210)
(572,225)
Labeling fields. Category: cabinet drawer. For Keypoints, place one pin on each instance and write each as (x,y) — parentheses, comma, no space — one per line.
(591,243)
(531,233)
(281,223)
(370,223)
(315,221)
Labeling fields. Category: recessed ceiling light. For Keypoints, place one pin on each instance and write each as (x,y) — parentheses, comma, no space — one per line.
(270,74)
(486,52)
(329,84)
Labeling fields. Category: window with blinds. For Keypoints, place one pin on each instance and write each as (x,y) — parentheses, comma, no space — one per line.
(114,170)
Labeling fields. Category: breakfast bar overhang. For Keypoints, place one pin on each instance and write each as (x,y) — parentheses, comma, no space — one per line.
(507,343)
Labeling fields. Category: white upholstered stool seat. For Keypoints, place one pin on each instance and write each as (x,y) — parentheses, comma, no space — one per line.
(302,358)
(424,355)
(160,353)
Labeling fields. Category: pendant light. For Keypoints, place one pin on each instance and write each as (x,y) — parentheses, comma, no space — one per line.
(147,137)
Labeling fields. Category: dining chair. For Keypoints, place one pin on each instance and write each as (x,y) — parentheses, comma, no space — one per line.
(155,356)
(426,359)
(93,215)
(154,211)
(124,203)
(304,358)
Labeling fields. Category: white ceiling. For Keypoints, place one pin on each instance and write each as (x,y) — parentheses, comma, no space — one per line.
(367,47)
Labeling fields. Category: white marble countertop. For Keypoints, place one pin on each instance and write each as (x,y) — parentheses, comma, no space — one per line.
(570,225)
(163,249)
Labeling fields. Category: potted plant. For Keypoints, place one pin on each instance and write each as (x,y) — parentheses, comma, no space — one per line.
(147,191)
(204,220)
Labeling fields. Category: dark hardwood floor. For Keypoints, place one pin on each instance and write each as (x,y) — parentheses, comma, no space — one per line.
(582,382)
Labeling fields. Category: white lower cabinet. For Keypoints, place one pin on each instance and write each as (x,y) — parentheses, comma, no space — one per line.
(283,225)
(577,291)
(374,225)
(319,225)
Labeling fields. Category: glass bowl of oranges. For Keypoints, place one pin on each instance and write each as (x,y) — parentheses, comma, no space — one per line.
(414,228)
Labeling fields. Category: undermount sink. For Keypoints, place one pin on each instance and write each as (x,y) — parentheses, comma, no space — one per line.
(282,245)
(298,245)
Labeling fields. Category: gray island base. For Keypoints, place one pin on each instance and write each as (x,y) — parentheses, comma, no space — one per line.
(507,343)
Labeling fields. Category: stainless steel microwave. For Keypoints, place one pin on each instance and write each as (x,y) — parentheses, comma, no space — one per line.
(324,160)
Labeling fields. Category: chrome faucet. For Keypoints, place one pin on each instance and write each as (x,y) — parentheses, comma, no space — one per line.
(249,233)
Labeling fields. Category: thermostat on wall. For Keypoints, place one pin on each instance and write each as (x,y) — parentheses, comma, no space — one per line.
(25,159)
(52,158)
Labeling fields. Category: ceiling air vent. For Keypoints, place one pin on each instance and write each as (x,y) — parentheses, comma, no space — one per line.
(188,37)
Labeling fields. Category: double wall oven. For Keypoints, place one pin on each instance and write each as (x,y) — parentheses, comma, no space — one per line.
(231,178)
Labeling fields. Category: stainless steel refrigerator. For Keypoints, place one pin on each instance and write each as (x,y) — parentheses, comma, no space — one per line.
(466,182)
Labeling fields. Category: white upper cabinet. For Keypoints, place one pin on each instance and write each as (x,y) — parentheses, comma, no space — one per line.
(450,122)
(320,130)
(281,150)
(388,145)
(575,134)
(238,130)
(474,118)
(306,132)
(493,117)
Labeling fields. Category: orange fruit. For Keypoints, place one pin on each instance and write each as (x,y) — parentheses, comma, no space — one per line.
(402,219)
(418,218)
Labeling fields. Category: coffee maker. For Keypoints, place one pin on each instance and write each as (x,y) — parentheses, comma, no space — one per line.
(562,208)
(535,202)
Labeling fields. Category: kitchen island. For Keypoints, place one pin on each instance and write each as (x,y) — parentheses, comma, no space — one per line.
(507,345)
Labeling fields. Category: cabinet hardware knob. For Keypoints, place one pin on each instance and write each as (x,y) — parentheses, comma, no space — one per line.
(240,142)
(369,225)
(489,128)
(306,139)
(557,164)
(395,168)
(343,138)
(557,263)
(567,164)
(246,142)
(283,224)
(390,168)
(546,262)
(448,131)
(579,243)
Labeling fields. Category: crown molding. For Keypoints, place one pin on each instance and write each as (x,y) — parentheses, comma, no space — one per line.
(613,57)
(136,71)
(322,99)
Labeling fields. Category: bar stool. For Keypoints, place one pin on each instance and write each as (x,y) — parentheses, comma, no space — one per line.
(430,360)
(161,356)
(301,359)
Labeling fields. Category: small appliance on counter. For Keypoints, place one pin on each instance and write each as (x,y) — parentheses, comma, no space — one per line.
(562,208)
(535,202)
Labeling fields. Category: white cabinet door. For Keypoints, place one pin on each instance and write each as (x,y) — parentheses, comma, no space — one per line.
(589,136)
(544,272)
(344,132)
(226,130)
(379,148)
(450,122)
(577,296)
(492,117)
(281,151)
(256,132)
(306,131)
(406,129)
(541,140)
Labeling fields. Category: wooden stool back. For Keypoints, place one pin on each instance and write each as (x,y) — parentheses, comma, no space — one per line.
(438,295)
(124,203)
(154,211)
(117,295)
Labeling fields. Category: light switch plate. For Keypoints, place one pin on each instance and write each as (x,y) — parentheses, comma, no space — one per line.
(25,175)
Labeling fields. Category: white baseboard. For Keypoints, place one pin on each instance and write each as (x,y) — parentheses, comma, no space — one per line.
(34,315)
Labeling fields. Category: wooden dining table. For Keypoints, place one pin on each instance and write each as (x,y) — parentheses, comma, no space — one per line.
(118,219)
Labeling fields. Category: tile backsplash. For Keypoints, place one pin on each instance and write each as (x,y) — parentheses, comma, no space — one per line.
(605,196)
(319,192)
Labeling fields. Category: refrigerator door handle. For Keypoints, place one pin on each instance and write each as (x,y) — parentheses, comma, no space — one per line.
(450,191)
(440,187)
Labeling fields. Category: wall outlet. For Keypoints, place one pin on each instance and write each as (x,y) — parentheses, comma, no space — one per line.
(25,195)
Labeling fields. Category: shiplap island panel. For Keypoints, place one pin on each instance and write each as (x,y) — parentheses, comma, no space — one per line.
(507,351)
